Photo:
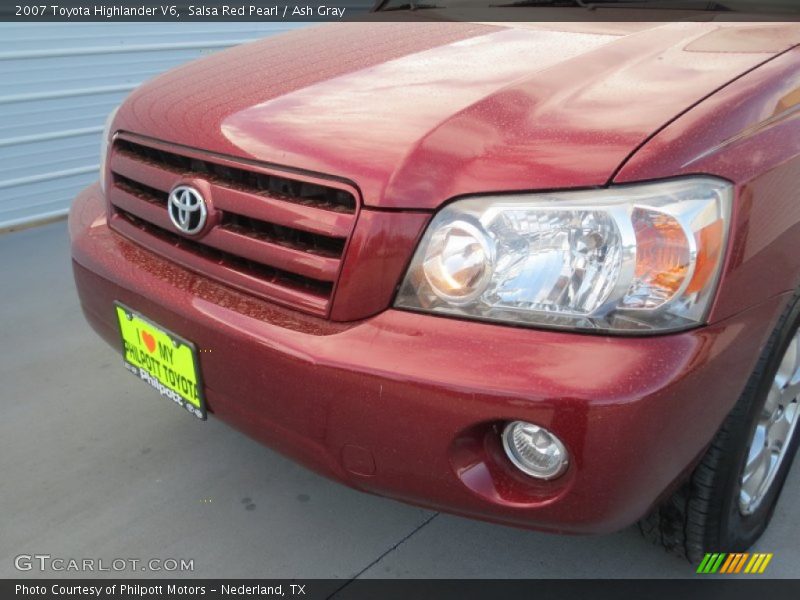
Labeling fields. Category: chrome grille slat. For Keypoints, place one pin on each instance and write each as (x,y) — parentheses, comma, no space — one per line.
(302,293)
(283,187)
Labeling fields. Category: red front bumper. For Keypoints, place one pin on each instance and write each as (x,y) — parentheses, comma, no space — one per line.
(408,405)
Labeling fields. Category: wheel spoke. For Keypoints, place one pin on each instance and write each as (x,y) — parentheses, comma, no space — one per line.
(774,397)
(792,389)
(757,444)
(755,474)
(778,432)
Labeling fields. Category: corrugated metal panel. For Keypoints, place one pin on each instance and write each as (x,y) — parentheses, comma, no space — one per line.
(58,82)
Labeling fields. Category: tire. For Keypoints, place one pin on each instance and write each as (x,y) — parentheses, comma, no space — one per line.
(708,512)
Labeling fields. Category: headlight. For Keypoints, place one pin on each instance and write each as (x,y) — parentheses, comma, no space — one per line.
(104,147)
(630,259)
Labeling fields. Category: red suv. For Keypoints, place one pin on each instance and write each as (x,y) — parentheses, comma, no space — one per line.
(540,274)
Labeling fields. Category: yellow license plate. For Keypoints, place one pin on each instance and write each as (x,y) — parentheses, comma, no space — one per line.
(164,360)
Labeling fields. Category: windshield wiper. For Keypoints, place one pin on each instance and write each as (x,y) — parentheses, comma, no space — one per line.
(592,4)
(548,3)
(676,4)
(408,6)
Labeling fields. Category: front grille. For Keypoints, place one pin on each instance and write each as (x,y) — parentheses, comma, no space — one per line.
(230,261)
(274,233)
(278,186)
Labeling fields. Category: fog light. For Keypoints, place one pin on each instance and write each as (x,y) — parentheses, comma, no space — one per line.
(534,450)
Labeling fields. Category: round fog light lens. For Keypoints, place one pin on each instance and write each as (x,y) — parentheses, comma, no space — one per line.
(534,450)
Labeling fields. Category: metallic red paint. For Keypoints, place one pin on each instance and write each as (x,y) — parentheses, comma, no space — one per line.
(411,115)
(420,395)
(376,261)
(417,113)
(749,133)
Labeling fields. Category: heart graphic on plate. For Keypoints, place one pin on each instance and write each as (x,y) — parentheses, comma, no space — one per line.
(149,341)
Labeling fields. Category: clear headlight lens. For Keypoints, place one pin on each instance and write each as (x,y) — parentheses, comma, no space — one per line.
(458,262)
(104,147)
(635,258)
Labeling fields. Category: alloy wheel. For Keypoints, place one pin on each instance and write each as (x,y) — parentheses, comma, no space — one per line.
(773,431)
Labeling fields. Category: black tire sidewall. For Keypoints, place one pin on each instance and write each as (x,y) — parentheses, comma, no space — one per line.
(738,532)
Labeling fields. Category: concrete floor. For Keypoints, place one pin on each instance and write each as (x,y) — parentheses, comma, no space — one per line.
(85,472)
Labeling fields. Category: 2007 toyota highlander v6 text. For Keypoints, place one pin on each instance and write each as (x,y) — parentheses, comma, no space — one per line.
(540,274)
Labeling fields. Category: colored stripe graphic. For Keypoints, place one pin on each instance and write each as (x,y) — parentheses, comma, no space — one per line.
(764,564)
(718,563)
(724,563)
(757,564)
(711,562)
(752,563)
(729,562)
(741,562)
(701,568)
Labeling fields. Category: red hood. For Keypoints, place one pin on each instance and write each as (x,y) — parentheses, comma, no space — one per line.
(416,113)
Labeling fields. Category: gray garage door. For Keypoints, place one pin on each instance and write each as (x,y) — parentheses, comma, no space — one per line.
(57,84)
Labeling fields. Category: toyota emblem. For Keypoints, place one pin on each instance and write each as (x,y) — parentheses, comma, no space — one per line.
(187,209)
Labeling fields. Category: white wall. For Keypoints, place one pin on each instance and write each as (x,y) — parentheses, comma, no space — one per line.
(59,81)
